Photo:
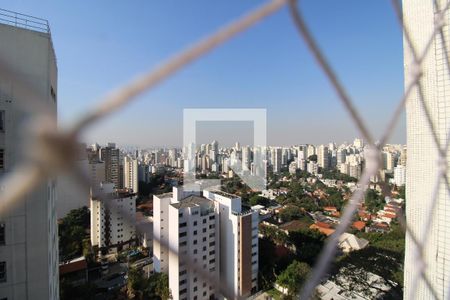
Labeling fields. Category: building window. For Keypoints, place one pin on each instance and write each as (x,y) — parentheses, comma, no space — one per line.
(204,230)
(183,224)
(195,232)
(53,93)
(212,217)
(195,242)
(183,291)
(195,223)
(204,221)
(2,120)
(195,288)
(182,234)
(3,271)
(2,233)
(2,159)
(195,251)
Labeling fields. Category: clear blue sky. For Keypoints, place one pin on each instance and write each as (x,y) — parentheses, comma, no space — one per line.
(102,44)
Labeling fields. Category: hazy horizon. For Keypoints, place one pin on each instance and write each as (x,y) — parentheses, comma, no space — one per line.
(268,67)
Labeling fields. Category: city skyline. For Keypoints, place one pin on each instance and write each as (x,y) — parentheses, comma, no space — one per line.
(281,76)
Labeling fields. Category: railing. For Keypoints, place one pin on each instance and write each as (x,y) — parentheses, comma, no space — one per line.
(24,21)
(55,158)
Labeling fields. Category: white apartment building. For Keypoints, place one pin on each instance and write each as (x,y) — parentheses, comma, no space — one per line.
(310,150)
(275,154)
(400,175)
(322,157)
(312,168)
(130,173)
(28,231)
(112,223)
(388,161)
(207,244)
(422,165)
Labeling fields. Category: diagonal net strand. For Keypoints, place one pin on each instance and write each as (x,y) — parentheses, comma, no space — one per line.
(418,247)
(141,84)
(328,70)
(26,177)
(329,250)
(83,181)
(416,67)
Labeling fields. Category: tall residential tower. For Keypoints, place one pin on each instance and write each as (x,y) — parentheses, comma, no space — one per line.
(422,166)
(28,232)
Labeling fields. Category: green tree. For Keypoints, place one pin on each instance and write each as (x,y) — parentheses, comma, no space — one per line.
(72,231)
(290,213)
(384,257)
(161,283)
(69,292)
(293,277)
(308,244)
(373,200)
(259,200)
(356,269)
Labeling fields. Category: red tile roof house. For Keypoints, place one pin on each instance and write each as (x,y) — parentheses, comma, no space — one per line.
(330,209)
(359,225)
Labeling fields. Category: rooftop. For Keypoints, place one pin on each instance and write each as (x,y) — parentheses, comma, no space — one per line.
(24,21)
(224,194)
(192,201)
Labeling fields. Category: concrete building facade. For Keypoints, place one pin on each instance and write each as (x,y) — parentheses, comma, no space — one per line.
(205,233)
(422,165)
(28,232)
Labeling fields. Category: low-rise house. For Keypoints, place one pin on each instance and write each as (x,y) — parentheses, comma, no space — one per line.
(359,225)
(349,242)
(325,230)
(74,271)
(378,227)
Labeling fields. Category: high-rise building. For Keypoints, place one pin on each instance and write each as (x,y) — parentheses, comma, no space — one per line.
(311,150)
(323,157)
(130,174)
(422,165)
(388,161)
(358,143)
(246,158)
(28,231)
(110,155)
(275,155)
(400,175)
(216,233)
(111,223)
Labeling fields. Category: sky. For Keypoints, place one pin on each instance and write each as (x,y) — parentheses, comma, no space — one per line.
(101,45)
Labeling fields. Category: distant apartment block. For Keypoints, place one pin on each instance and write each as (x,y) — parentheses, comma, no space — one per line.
(130,173)
(207,243)
(112,218)
(110,155)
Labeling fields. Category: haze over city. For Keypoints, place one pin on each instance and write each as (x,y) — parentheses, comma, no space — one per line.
(103,45)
